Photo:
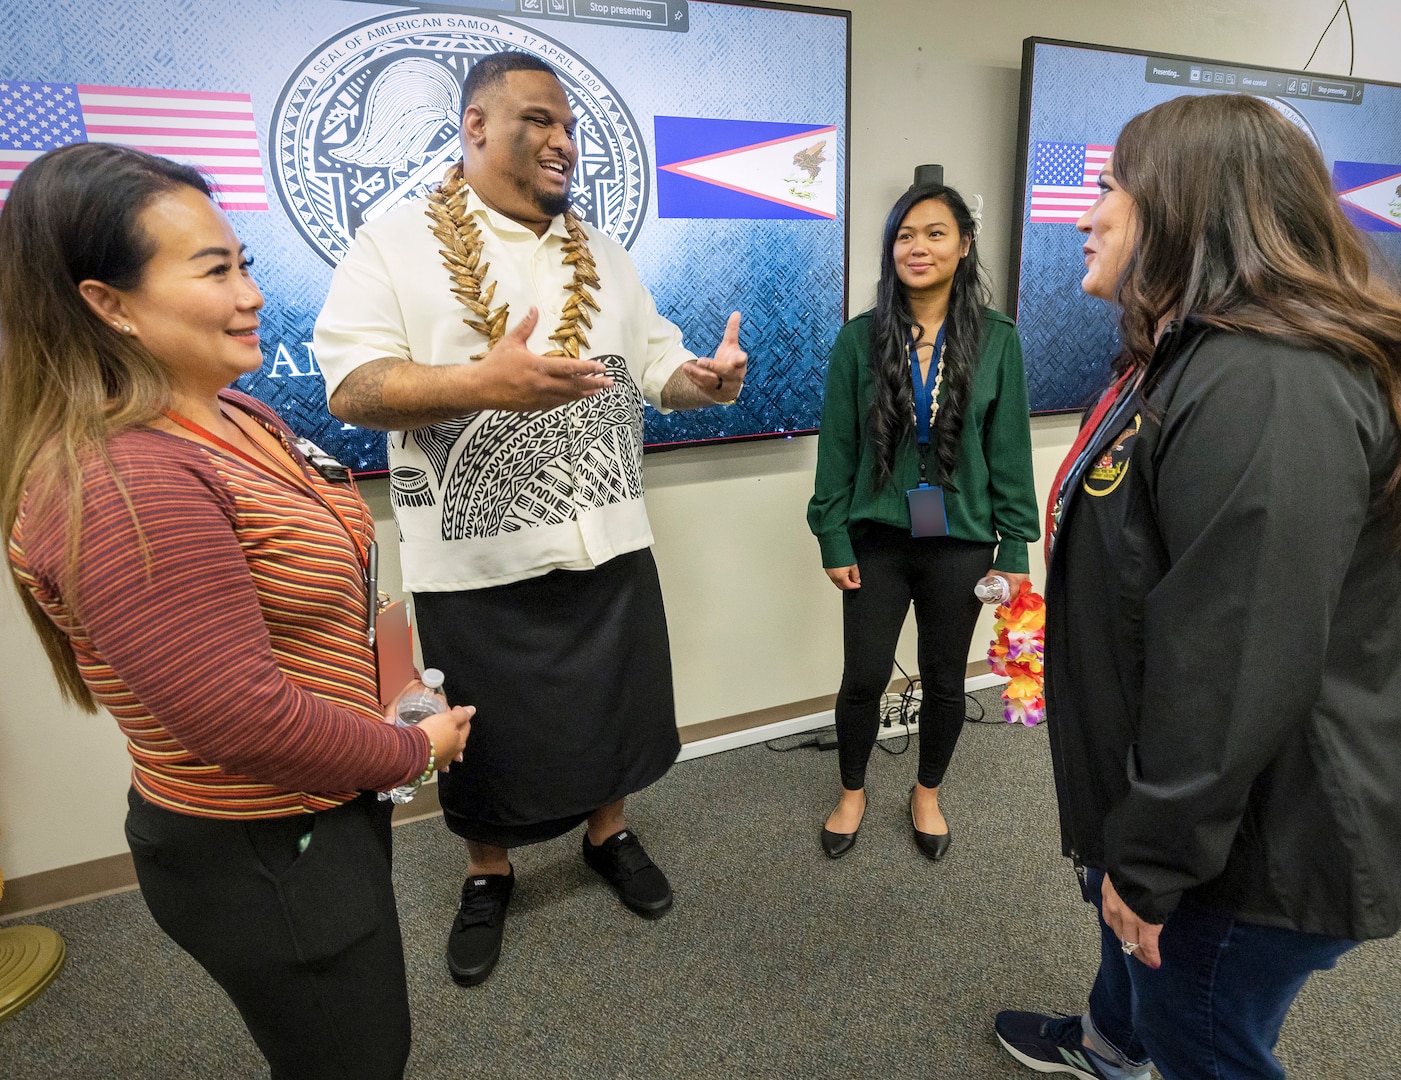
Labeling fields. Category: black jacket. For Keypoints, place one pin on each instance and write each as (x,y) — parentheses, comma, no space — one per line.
(1223,641)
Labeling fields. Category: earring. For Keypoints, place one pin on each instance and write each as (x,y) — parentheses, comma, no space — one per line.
(126,328)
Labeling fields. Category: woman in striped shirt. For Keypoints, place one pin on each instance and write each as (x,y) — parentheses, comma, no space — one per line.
(187,569)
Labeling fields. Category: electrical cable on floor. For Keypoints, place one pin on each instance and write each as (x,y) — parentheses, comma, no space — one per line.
(800,740)
(982,717)
(901,709)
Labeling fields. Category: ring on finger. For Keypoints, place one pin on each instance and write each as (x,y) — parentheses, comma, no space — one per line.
(1129,947)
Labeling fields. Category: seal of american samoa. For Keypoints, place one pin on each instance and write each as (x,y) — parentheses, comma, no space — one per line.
(371,118)
(1294,116)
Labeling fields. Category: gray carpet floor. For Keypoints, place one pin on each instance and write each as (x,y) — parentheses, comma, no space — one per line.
(775,963)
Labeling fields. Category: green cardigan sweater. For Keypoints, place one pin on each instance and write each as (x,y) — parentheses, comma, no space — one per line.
(995,498)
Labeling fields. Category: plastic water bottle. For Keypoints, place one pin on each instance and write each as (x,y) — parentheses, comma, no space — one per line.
(993,589)
(419,705)
(415,706)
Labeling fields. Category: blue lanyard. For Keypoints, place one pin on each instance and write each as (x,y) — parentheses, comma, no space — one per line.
(924,403)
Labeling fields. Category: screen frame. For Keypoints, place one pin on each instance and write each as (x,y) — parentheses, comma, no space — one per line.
(804,9)
(1028,73)
(764,436)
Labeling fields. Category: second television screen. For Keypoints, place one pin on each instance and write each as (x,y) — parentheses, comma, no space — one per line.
(1075,100)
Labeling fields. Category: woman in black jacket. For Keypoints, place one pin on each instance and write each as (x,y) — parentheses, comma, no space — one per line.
(1223,644)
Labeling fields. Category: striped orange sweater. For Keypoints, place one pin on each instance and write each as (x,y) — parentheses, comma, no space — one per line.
(234,656)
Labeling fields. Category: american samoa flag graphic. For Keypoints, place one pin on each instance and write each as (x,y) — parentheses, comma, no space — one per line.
(745,169)
(212,131)
(1065,180)
(1370,194)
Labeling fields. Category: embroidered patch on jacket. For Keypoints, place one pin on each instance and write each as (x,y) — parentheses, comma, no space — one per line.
(1109,468)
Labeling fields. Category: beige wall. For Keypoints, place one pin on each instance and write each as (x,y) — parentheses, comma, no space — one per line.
(754,622)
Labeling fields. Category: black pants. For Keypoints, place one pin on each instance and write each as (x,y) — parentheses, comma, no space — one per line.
(938,574)
(306,944)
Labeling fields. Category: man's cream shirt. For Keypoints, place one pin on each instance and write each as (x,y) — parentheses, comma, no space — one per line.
(496,496)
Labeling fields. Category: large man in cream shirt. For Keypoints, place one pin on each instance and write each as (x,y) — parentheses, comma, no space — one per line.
(516,478)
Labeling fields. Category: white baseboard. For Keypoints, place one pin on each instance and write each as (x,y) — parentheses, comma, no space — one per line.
(982,682)
(799,724)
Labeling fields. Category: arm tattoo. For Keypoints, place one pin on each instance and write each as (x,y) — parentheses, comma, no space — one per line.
(359,400)
(681,393)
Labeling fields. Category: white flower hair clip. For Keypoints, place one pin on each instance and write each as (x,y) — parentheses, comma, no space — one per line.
(975,211)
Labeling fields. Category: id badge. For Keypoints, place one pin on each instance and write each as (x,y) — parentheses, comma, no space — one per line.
(927,511)
(393,650)
(330,469)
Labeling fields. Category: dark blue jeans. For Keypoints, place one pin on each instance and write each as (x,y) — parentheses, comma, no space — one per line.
(1214,1008)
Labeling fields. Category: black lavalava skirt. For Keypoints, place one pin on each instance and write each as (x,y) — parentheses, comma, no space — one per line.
(570,673)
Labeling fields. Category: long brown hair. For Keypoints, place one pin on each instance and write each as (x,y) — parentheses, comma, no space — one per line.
(1239,228)
(68,380)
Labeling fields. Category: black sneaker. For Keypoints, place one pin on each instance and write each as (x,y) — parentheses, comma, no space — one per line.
(1055,1044)
(474,943)
(621,862)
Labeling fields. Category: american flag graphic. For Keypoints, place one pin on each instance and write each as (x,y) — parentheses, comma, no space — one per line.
(1064,180)
(214,132)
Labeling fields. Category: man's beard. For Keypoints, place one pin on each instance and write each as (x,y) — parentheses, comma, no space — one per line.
(545,201)
(553,204)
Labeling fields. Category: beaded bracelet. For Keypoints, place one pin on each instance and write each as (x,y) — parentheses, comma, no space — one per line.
(432,761)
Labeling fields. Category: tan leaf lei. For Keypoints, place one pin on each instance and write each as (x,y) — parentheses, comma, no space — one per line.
(462,253)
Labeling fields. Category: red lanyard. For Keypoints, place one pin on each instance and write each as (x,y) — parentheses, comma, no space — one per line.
(300,482)
(1087,431)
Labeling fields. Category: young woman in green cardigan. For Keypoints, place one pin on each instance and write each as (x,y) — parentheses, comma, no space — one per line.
(925,409)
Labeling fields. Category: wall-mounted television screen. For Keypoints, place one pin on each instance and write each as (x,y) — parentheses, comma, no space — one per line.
(712,144)
(1075,99)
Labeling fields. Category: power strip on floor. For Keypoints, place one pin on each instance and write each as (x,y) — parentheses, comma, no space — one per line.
(716,744)
(827,740)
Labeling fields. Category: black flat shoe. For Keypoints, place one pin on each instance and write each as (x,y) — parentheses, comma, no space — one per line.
(837,844)
(934,845)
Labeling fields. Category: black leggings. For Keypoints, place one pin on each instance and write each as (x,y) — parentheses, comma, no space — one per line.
(305,943)
(938,574)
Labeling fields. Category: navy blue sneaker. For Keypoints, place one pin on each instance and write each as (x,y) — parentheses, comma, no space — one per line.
(1055,1044)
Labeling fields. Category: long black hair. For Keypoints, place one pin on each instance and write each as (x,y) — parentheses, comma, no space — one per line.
(892,408)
